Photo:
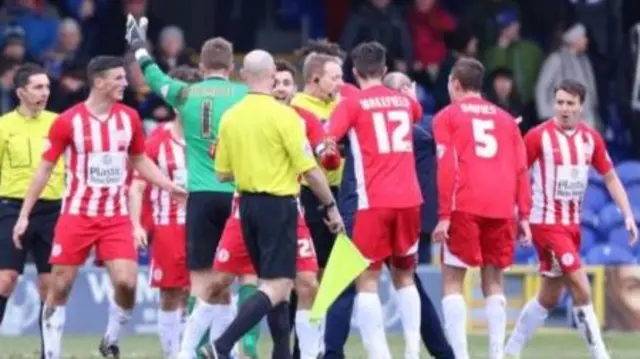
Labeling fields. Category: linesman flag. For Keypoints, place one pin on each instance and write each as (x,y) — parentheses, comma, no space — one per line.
(345,264)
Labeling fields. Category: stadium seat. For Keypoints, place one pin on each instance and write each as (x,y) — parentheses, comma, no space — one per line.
(595,198)
(609,254)
(620,237)
(589,219)
(629,172)
(589,240)
(611,217)
(595,178)
(524,255)
(633,192)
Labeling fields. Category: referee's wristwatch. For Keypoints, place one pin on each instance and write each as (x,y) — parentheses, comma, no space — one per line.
(324,208)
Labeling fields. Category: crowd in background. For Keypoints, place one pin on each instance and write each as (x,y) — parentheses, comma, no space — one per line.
(527,46)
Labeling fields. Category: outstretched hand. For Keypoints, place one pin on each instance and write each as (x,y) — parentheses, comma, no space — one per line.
(136,32)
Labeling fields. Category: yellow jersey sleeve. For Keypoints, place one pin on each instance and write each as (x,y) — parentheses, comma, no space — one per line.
(295,141)
(223,162)
(2,141)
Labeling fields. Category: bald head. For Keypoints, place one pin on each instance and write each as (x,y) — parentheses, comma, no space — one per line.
(258,64)
(396,80)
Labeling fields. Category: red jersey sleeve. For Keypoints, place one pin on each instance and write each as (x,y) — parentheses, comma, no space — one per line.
(313,127)
(600,158)
(446,162)
(59,138)
(533,145)
(137,135)
(416,110)
(523,189)
(342,119)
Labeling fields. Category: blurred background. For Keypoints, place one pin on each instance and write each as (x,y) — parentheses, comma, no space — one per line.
(526,46)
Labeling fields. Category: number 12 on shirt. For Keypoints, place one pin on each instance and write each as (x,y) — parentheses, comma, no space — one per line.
(395,139)
(486,145)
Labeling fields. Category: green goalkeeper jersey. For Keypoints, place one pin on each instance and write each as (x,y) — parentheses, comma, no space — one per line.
(200,106)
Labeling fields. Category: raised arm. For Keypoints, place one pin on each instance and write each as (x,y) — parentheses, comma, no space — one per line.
(171,90)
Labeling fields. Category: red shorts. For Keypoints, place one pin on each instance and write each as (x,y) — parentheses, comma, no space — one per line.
(76,235)
(168,257)
(232,256)
(388,233)
(476,241)
(558,248)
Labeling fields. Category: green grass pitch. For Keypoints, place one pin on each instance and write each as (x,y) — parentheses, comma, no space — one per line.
(558,345)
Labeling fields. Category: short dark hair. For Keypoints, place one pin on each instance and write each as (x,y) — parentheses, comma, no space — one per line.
(186,74)
(7,64)
(101,64)
(575,88)
(284,65)
(369,59)
(24,73)
(321,46)
(469,72)
(216,54)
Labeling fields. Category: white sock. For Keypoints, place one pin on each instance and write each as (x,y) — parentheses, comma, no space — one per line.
(169,331)
(371,324)
(53,319)
(222,317)
(118,318)
(197,324)
(496,310)
(589,328)
(454,310)
(309,335)
(409,304)
(531,318)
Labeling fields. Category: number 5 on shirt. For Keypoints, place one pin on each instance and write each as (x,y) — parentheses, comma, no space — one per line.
(486,144)
(398,140)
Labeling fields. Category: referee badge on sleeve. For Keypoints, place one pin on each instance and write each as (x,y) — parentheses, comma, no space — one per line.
(46,145)
(307,148)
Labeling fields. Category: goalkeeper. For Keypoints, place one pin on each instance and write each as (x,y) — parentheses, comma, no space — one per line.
(200,106)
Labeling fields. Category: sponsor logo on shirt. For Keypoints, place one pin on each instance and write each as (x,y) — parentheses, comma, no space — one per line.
(106,169)
(571,182)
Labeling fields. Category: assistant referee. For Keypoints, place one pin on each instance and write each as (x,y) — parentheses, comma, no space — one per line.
(23,134)
(262,146)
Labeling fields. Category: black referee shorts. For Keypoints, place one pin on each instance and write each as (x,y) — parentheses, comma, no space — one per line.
(37,239)
(323,238)
(207,213)
(269,226)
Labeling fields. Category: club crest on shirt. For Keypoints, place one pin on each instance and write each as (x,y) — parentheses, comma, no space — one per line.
(122,138)
(588,149)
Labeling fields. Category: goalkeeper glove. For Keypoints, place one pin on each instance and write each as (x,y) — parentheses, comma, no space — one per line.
(136,33)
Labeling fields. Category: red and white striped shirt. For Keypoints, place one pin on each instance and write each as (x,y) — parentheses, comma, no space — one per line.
(168,153)
(559,161)
(96,154)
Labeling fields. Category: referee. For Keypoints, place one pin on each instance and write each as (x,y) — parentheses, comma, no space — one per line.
(23,134)
(262,146)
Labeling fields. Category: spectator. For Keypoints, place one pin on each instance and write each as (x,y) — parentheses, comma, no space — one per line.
(40,24)
(13,46)
(90,14)
(569,62)
(503,93)
(461,43)
(8,99)
(522,57)
(66,54)
(481,18)
(379,20)
(171,52)
(428,23)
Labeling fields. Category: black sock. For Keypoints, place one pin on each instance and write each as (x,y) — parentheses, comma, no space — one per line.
(249,314)
(278,320)
(3,306)
(40,327)
(293,306)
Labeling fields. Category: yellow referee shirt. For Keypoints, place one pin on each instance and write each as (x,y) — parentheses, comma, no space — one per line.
(322,110)
(22,142)
(263,144)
